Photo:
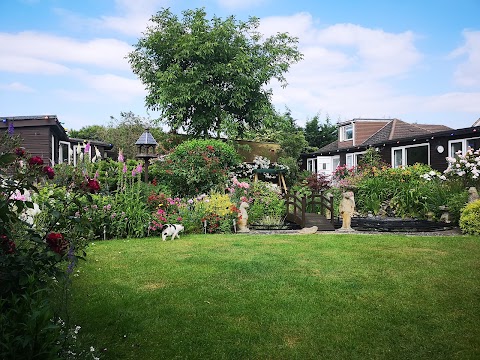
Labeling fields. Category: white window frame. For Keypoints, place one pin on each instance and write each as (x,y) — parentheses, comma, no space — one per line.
(343,132)
(312,165)
(464,145)
(351,159)
(60,151)
(335,162)
(404,153)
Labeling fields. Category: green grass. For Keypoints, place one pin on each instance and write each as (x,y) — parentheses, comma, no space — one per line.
(282,297)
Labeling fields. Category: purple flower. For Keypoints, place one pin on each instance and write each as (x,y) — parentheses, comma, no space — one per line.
(87,148)
(120,156)
(139,168)
(124,168)
(134,173)
(11,128)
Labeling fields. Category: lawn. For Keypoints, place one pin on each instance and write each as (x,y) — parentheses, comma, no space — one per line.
(323,296)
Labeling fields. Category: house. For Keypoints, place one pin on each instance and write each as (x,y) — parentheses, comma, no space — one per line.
(44,136)
(399,144)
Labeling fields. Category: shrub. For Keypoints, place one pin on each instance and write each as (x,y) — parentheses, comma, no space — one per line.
(35,261)
(470,218)
(196,167)
(267,203)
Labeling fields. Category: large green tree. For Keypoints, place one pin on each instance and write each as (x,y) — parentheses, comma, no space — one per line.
(210,75)
(320,134)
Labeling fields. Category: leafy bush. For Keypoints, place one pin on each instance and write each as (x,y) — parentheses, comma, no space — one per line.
(470,218)
(36,262)
(196,167)
(267,202)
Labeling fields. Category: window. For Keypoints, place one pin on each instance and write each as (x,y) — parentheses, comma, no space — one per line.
(311,165)
(462,145)
(335,162)
(349,160)
(346,132)
(409,155)
(64,152)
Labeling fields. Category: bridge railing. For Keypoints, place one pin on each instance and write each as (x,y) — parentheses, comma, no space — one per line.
(298,206)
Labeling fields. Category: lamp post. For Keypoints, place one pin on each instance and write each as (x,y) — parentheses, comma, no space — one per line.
(146,145)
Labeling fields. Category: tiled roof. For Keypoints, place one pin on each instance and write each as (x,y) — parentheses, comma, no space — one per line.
(395,129)
(330,147)
(146,139)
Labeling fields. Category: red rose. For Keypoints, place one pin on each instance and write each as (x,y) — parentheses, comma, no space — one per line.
(7,245)
(57,243)
(20,151)
(91,186)
(35,160)
(49,172)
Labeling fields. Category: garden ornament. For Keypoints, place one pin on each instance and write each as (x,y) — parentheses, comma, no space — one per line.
(347,209)
(243,218)
(473,194)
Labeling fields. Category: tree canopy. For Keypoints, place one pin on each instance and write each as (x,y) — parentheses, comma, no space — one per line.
(206,75)
(318,135)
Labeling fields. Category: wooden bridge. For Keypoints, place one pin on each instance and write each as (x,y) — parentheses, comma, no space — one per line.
(312,210)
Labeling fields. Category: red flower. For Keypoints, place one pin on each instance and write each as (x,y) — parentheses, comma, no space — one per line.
(57,243)
(35,160)
(91,185)
(20,151)
(49,172)
(210,147)
(7,245)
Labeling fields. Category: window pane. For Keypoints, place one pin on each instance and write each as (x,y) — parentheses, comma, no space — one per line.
(454,147)
(417,154)
(336,162)
(348,132)
(397,158)
(349,160)
(474,143)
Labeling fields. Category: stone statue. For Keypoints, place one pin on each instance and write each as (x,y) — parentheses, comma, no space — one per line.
(473,194)
(243,218)
(346,209)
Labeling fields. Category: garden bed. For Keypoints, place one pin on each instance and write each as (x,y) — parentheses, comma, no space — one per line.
(395,225)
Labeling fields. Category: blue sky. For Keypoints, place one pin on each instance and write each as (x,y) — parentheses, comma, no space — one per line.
(418,61)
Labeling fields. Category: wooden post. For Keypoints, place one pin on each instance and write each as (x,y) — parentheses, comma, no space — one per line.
(304,210)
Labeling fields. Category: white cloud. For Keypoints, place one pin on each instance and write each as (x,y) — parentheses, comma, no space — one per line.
(130,18)
(240,4)
(52,50)
(468,72)
(16,86)
(30,65)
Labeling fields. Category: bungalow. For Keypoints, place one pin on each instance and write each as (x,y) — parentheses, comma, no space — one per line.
(45,136)
(398,143)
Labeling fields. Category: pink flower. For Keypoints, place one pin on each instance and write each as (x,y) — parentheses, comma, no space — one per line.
(120,156)
(87,148)
(124,168)
(139,168)
(179,218)
(134,173)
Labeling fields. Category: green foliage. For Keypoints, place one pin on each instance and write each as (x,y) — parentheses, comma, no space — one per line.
(470,218)
(91,132)
(203,74)
(36,259)
(318,135)
(370,159)
(411,192)
(196,167)
(267,203)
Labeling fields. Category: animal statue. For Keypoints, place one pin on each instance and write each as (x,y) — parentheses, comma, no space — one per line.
(243,218)
(346,209)
(473,194)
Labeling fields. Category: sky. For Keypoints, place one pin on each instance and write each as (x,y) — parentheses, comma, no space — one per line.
(418,61)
